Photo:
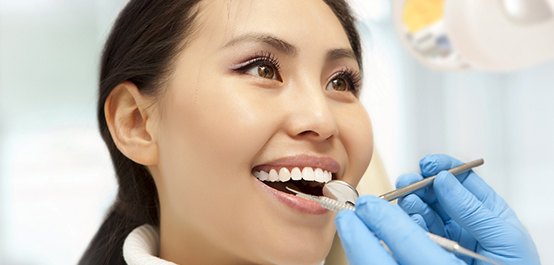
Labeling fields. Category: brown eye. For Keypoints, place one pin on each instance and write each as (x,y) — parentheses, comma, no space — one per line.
(345,81)
(264,66)
(339,84)
(265,71)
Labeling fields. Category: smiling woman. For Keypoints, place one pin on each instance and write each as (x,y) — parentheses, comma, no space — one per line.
(209,109)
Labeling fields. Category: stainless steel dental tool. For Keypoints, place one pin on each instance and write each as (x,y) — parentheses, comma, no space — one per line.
(340,195)
(340,191)
(393,195)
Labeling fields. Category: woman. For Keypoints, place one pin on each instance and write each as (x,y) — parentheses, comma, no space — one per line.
(199,100)
(211,108)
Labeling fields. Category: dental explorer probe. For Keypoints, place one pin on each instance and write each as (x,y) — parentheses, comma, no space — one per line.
(395,194)
(447,244)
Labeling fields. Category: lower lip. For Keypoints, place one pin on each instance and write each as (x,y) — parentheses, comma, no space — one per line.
(296,203)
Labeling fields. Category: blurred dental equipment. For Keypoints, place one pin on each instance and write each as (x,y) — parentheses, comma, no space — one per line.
(500,35)
(340,195)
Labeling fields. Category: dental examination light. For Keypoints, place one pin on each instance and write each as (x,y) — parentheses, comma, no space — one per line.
(490,35)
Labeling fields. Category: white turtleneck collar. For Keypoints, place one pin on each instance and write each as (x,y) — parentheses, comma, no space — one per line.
(141,247)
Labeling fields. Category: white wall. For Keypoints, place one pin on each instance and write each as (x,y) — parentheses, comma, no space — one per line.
(56,178)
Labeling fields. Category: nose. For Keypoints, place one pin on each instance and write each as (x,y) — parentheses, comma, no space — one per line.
(310,116)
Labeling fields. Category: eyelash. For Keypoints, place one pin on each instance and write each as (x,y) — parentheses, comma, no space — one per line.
(262,57)
(353,77)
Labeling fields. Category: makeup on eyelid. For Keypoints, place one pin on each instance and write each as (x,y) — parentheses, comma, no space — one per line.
(257,57)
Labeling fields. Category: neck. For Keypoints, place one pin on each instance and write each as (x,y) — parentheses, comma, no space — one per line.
(185,246)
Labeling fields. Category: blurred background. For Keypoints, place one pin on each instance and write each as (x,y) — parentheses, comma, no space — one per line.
(56,178)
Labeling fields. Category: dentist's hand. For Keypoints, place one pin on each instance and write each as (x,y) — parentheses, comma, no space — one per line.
(376,219)
(468,211)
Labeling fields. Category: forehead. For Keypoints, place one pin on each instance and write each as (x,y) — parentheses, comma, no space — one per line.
(304,23)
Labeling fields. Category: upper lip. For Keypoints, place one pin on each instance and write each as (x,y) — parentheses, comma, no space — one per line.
(301,161)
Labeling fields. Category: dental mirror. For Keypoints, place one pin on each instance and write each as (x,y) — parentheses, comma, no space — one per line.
(341,191)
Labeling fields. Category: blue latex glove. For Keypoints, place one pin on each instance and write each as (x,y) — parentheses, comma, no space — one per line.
(468,211)
(376,219)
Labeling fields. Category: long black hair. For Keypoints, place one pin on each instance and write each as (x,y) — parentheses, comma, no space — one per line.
(145,39)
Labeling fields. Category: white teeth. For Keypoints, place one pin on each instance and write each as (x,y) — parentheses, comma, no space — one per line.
(318,173)
(308,174)
(273,175)
(262,175)
(328,176)
(284,175)
(296,174)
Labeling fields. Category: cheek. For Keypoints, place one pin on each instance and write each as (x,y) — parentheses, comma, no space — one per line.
(208,139)
(225,127)
(357,137)
(215,121)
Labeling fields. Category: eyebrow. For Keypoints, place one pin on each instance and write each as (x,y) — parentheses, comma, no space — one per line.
(288,48)
(272,41)
(336,54)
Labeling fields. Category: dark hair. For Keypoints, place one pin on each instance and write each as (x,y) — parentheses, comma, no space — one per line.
(145,39)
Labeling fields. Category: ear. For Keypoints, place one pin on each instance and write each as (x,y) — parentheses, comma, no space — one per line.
(130,122)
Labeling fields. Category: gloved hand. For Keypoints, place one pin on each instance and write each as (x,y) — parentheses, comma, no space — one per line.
(376,219)
(468,211)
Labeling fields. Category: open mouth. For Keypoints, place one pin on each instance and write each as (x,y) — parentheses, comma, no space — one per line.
(307,180)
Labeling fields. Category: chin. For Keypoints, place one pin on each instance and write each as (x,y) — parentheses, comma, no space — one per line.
(301,252)
(306,258)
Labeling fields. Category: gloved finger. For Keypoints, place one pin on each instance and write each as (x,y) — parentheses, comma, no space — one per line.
(432,164)
(360,245)
(409,243)
(427,194)
(484,193)
(407,179)
(451,228)
(469,212)
(412,204)
(418,219)
(464,239)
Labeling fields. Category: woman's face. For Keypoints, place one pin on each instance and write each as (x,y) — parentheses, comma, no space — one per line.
(261,85)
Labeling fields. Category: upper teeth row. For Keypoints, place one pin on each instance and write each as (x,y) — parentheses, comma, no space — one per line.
(284,174)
